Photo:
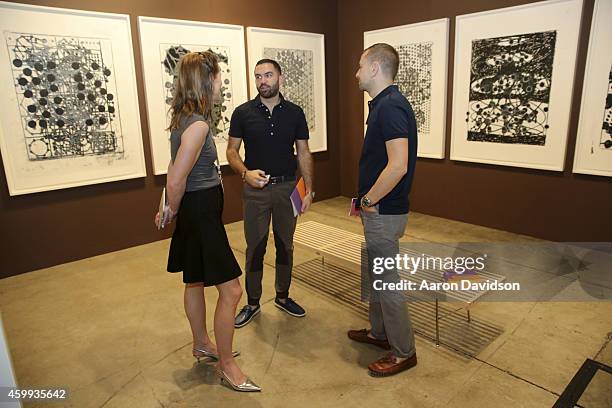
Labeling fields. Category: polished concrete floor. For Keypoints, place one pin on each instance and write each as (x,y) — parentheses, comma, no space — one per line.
(112,329)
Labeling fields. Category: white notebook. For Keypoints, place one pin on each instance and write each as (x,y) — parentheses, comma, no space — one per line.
(162,213)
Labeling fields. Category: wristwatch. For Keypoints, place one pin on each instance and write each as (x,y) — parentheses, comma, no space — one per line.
(366,202)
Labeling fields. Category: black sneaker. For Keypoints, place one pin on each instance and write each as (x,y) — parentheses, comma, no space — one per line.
(246,315)
(290,307)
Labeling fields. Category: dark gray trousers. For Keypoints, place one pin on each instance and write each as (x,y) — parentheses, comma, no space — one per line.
(259,206)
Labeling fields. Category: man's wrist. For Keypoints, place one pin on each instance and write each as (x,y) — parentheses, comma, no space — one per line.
(244,172)
(366,202)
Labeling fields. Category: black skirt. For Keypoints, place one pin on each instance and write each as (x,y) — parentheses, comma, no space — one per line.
(199,246)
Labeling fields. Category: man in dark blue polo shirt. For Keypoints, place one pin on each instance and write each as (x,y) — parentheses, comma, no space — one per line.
(386,169)
(270,126)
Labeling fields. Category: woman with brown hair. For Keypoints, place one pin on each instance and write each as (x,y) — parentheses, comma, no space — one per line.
(199,246)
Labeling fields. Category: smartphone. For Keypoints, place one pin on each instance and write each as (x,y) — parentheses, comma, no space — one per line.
(355,207)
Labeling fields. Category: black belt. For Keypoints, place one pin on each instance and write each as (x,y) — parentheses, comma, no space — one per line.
(280,179)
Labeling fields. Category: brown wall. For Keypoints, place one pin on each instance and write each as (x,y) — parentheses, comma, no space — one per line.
(551,205)
(49,228)
(44,229)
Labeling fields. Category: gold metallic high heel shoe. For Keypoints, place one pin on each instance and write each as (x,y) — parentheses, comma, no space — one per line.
(247,386)
(210,354)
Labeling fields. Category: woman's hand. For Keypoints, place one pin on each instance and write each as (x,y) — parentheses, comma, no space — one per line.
(157,220)
(169,216)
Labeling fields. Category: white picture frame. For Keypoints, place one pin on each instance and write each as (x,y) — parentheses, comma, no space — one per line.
(525,120)
(307,91)
(70,112)
(162,42)
(593,153)
(422,74)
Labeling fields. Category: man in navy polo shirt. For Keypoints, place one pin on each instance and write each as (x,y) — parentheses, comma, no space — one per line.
(269,125)
(386,169)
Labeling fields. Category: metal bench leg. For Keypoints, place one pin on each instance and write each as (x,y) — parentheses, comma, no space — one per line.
(437,327)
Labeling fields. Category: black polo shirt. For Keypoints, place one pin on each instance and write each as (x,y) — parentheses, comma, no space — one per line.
(269,138)
(390,117)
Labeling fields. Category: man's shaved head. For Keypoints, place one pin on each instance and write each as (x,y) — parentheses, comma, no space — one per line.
(386,56)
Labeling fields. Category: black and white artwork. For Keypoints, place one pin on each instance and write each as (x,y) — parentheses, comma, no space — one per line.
(298,72)
(170,56)
(606,128)
(421,77)
(510,82)
(301,56)
(414,81)
(66,93)
(513,83)
(70,114)
(163,43)
(593,153)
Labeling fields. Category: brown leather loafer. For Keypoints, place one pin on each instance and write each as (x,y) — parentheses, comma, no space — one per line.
(362,337)
(387,366)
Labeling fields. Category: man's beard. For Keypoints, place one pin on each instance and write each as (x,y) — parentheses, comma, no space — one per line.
(269,92)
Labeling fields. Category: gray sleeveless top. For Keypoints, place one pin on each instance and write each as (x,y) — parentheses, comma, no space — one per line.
(204,173)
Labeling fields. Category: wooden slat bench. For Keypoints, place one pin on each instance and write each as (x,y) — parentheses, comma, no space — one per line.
(343,249)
